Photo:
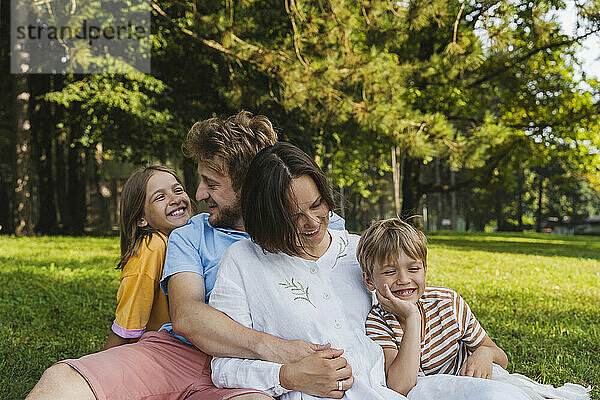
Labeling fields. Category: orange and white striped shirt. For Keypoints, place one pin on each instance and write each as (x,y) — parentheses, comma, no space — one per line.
(451,330)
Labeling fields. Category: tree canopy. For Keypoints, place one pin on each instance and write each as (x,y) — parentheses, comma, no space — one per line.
(407,100)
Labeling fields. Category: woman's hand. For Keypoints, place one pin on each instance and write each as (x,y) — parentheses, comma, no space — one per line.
(479,364)
(402,309)
(318,374)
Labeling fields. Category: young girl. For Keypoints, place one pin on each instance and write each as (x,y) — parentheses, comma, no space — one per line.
(153,203)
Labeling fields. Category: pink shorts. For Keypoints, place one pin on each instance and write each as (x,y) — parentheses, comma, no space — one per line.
(158,366)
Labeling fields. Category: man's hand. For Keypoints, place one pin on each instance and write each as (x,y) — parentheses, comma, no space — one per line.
(290,351)
(402,309)
(318,374)
(479,364)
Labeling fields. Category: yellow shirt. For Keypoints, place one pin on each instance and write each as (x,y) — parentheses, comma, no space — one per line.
(141,304)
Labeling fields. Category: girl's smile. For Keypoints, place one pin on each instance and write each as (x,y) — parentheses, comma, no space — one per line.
(167,206)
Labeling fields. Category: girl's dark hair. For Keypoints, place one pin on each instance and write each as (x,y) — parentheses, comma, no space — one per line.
(133,198)
(266,202)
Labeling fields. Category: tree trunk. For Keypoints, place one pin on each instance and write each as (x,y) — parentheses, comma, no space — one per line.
(453,200)
(425,214)
(538,213)
(500,210)
(520,184)
(396,178)
(438,181)
(103,193)
(43,132)
(60,146)
(76,182)
(22,200)
(411,189)
(467,209)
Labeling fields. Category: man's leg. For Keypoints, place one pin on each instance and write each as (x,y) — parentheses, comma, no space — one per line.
(60,381)
(253,396)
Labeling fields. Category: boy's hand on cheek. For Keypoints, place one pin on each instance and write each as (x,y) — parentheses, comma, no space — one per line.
(478,364)
(402,309)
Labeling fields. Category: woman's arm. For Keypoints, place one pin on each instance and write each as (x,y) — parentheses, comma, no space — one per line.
(317,374)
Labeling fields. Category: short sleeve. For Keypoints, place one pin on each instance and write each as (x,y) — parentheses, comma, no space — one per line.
(183,255)
(472,332)
(336,222)
(139,283)
(379,331)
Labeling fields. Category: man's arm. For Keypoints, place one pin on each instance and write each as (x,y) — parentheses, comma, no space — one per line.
(218,335)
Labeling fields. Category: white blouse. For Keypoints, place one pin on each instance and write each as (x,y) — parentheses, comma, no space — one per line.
(322,301)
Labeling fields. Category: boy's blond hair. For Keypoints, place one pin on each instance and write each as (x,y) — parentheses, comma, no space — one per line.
(388,238)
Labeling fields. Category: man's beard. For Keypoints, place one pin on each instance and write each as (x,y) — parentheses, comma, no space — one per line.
(227,217)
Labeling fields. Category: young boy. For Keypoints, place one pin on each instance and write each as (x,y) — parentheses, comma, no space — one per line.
(428,329)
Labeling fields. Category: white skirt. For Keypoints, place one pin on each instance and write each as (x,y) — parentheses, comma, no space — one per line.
(502,386)
(538,391)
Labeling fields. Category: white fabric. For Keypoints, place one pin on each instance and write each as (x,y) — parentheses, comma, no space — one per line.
(444,386)
(538,391)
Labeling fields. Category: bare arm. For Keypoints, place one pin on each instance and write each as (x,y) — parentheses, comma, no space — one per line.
(218,335)
(479,363)
(402,365)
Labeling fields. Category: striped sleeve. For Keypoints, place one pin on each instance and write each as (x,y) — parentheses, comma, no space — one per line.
(471,330)
(379,331)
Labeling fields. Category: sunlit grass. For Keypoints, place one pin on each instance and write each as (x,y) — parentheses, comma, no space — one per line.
(538,297)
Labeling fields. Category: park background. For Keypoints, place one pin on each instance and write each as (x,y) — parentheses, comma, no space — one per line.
(473,116)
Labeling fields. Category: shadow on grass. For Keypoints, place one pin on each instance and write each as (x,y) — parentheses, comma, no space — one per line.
(532,244)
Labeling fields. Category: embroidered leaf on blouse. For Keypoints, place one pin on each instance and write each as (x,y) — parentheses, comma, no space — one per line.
(342,251)
(297,290)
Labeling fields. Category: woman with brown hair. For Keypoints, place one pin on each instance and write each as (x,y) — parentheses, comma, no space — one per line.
(296,279)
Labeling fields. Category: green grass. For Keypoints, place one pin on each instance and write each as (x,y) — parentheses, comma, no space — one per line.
(538,297)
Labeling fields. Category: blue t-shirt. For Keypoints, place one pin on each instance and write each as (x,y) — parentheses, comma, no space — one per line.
(198,247)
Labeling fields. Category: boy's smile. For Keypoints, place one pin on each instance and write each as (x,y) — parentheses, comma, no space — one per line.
(405,276)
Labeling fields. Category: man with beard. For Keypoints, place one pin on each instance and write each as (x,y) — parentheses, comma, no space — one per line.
(174,363)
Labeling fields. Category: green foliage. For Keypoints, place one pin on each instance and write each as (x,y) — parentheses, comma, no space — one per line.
(535,294)
(120,111)
(466,82)
(489,88)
